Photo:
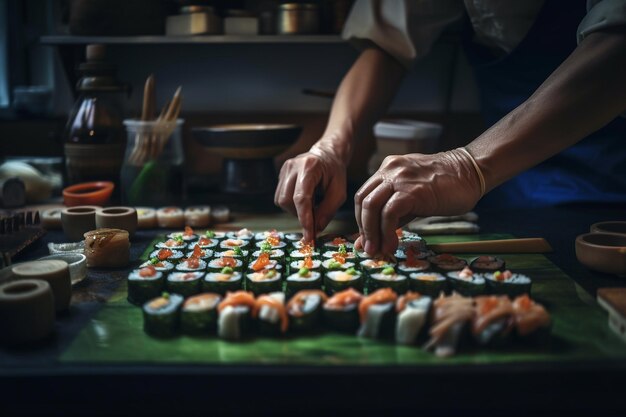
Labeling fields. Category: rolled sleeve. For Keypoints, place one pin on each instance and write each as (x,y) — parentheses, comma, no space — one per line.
(405,29)
(602,15)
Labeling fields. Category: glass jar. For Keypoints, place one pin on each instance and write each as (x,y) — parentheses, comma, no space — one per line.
(152,172)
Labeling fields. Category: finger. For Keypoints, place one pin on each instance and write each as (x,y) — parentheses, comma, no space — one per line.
(358,243)
(399,206)
(334,197)
(371,216)
(283,197)
(303,201)
(369,186)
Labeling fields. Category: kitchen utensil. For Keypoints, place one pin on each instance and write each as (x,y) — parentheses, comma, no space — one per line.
(603,252)
(297,19)
(525,245)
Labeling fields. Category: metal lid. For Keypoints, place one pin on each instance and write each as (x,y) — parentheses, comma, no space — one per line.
(297,6)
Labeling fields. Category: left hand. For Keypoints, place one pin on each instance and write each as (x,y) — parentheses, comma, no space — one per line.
(407,186)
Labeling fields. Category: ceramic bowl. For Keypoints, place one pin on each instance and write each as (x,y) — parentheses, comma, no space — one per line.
(77,263)
(78,220)
(603,252)
(88,193)
(124,218)
(618,227)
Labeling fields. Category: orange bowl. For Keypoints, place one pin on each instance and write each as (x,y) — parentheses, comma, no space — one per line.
(96,193)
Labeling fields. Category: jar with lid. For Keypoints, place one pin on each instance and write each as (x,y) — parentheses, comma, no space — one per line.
(94,135)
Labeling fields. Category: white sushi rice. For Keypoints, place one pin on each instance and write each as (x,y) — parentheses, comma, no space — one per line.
(228,322)
(411,320)
(373,318)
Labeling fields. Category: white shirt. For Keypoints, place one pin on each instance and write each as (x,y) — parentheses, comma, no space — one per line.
(407,29)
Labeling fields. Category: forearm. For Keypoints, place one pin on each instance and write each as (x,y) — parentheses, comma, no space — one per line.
(362,98)
(583,94)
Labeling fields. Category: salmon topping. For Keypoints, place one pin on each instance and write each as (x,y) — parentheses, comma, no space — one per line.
(237,298)
(275,304)
(340,258)
(295,305)
(204,241)
(197,252)
(262,261)
(344,298)
(148,271)
(171,242)
(338,241)
(381,296)
(411,258)
(163,254)
(307,263)
(193,263)
(188,231)
(228,261)
(273,240)
(405,299)
(399,233)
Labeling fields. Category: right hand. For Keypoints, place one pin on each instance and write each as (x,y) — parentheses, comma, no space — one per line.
(300,176)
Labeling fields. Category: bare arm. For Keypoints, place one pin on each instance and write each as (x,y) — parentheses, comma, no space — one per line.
(363,96)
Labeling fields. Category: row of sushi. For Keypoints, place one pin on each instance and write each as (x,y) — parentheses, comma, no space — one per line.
(441,325)
(176,217)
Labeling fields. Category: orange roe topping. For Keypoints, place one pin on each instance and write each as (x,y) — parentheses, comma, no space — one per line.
(489,304)
(193,263)
(339,258)
(399,233)
(262,261)
(338,241)
(306,248)
(204,241)
(148,271)
(188,231)
(273,240)
(308,263)
(228,261)
(163,254)
(197,252)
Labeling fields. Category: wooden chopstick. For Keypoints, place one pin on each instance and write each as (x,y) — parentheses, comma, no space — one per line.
(526,245)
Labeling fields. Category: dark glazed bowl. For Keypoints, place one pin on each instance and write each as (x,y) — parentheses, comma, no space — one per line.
(603,252)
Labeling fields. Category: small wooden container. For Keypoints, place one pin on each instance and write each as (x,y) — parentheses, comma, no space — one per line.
(54,272)
(78,220)
(124,218)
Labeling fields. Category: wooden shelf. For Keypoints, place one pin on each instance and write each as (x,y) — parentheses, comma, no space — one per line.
(191,40)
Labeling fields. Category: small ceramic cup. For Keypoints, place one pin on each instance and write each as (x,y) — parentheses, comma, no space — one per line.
(603,252)
(55,272)
(124,218)
(78,220)
(616,227)
(77,263)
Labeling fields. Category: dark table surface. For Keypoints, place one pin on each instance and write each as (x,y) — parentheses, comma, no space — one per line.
(33,382)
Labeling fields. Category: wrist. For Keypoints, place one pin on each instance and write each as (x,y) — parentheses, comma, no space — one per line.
(336,143)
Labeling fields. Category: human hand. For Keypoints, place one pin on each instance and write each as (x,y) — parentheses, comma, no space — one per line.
(407,186)
(298,180)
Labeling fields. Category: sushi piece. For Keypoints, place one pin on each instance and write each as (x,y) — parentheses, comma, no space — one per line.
(467,283)
(273,233)
(161,266)
(487,264)
(532,321)
(337,265)
(276,254)
(308,263)
(213,235)
(428,283)
(264,281)
(223,281)
(174,244)
(293,237)
(337,281)
(305,310)
(341,311)
(306,247)
(146,218)
(507,283)
(184,283)
(264,262)
(165,254)
(161,315)
(334,244)
(410,267)
(493,321)
(271,314)
(144,284)
(217,264)
(199,253)
(445,263)
(388,278)
(373,266)
(207,243)
(412,310)
(187,235)
(170,217)
(198,216)
(191,265)
(220,214)
(234,243)
(198,316)
(302,253)
(377,314)
(450,320)
(342,253)
(304,279)
(234,315)
(408,239)
(271,242)
(242,234)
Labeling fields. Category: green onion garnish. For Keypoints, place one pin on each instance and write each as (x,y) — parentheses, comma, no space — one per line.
(209,233)
(227,270)
(334,265)
(266,247)
(351,271)
(179,238)
(342,249)
(303,272)
(270,273)
(165,295)
(154,261)
(238,251)
(389,270)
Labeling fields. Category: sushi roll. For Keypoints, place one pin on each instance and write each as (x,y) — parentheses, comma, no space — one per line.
(264,281)
(374,266)
(187,235)
(341,311)
(144,284)
(408,239)
(302,253)
(217,264)
(377,314)
(493,320)
(197,216)
(334,244)
(304,310)
(275,254)
(304,279)
(507,283)
(234,243)
(271,315)
(234,315)
(467,283)
(170,217)
(185,283)
(223,281)
(270,243)
(199,253)
(337,281)
(388,278)
(161,315)
(293,237)
(164,254)
(308,263)
(242,234)
(408,267)
(220,214)
(412,310)
(161,266)
(269,233)
(342,253)
(198,316)
(191,265)
(450,320)
(207,243)
(174,244)
(428,283)
(532,321)
(264,262)
(336,265)
(361,255)
(487,264)
(213,235)
(445,263)
(236,253)
(146,218)
(302,245)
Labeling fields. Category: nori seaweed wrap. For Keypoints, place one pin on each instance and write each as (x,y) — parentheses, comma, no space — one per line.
(341,311)
(305,310)
(507,283)
(493,320)
(217,264)
(144,284)
(467,283)
(487,264)
(445,263)
(388,278)
(428,283)
(264,281)
(161,315)
(198,315)
(185,283)
(222,282)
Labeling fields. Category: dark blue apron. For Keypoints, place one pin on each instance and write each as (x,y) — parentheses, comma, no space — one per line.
(593,170)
